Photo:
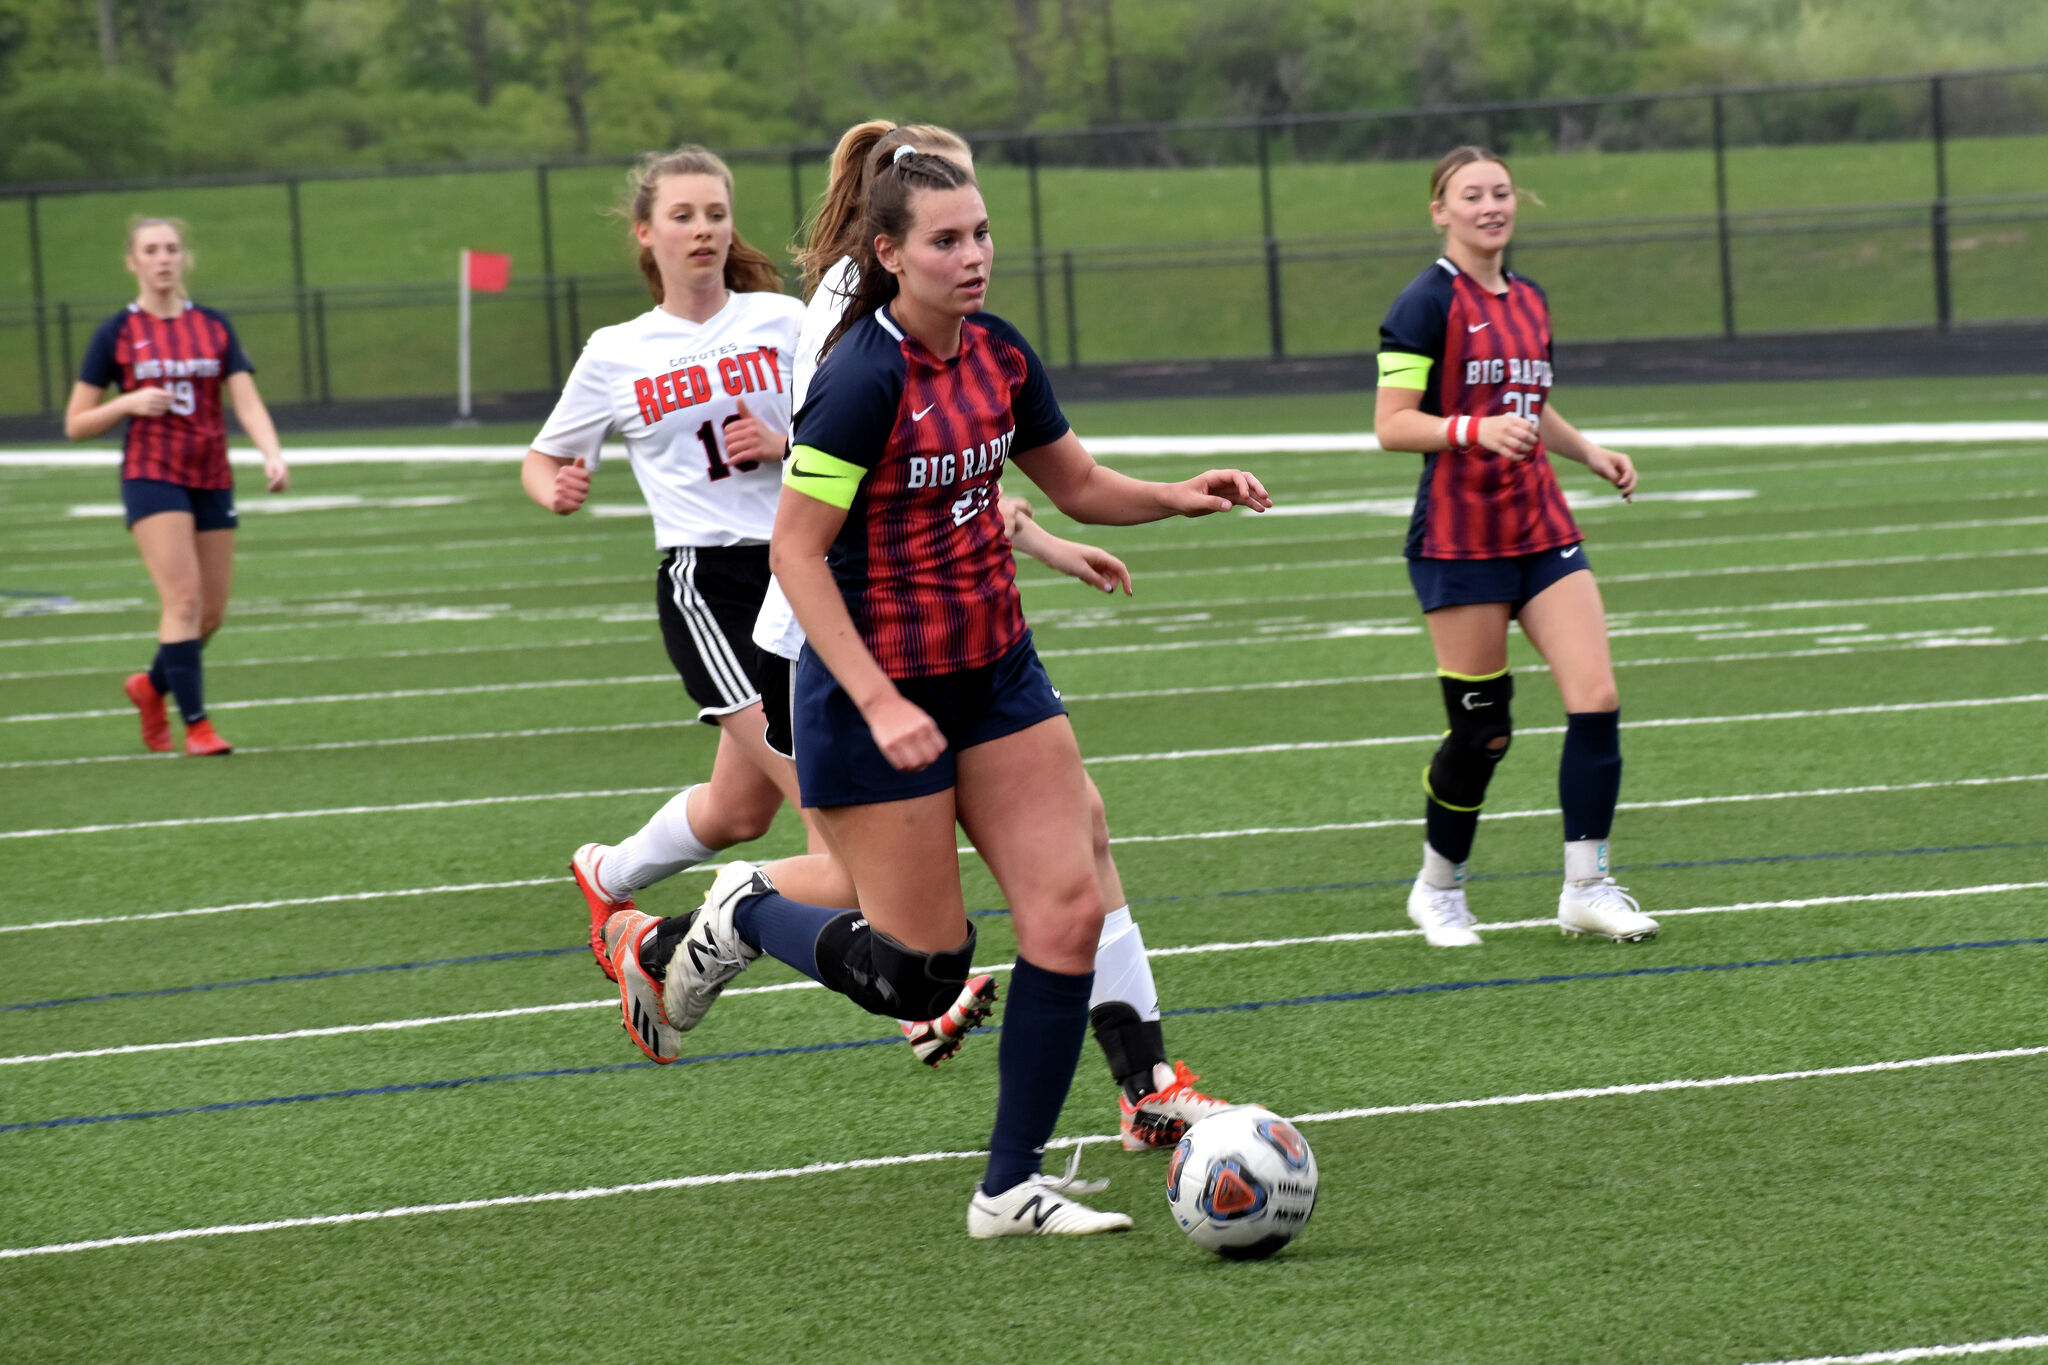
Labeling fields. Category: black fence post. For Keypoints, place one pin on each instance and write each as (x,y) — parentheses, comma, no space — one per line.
(796,192)
(547,267)
(64,336)
(1274,328)
(575,310)
(320,343)
(1944,300)
(1067,291)
(1721,220)
(35,275)
(291,188)
(1037,243)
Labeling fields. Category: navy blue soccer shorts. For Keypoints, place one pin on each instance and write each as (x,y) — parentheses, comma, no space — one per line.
(212,509)
(1515,580)
(838,763)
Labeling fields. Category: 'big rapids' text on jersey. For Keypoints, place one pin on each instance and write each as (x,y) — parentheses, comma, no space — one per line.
(670,387)
(1490,354)
(913,447)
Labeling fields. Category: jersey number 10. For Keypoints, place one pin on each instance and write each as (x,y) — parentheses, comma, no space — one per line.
(719,468)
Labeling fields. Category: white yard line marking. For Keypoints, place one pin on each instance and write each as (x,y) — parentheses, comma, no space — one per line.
(1968,1348)
(456,804)
(331,697)
(923,1158)
(334,899)
(1183,950)
(390,742)
(214,665)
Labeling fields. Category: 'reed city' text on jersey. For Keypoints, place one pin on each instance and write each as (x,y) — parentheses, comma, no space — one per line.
(1475,353)
(913,447)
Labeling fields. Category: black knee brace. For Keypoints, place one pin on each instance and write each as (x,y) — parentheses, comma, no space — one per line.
(884,977)
(1464,762)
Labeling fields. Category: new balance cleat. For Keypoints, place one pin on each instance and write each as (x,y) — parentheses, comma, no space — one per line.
(936,1040)
(1442,915)
(1163,1117)
(712,952)
(583,867)
(639,993)
(1041,1207)
(1604,909)
(202,742)
(156,726)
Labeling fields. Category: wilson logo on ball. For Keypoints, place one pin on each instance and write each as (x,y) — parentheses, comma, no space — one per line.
(1282,1137)
(1232,1192)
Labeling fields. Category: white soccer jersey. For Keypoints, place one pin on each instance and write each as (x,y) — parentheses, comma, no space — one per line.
(668,386)
(776,630)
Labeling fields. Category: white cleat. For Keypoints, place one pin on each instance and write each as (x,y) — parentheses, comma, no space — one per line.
(712,952)
(1605,909)
(1039,1207)
(1442,915)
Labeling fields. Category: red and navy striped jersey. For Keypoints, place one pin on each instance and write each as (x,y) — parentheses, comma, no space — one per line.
(923,561)
(1490,354)
(192,355)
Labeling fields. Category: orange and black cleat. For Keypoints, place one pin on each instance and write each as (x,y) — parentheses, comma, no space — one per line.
(602,906)
(201,741)
(156,726)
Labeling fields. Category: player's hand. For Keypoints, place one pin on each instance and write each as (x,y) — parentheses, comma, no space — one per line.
(1015,512)
(1615,467)
(276,478)
(907,737)
(1216,490)
(1509,435)
(148,401)
(749,440)
(1093,565)
(572,487)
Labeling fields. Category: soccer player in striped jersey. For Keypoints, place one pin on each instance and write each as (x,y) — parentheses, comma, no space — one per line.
(698,387)
(169,359)
(1464,379)
(920,702)
(1157,1098)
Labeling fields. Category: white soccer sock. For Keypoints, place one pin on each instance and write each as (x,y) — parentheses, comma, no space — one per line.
(1122,971)
(1439,871)
(664,846)
(1585,860)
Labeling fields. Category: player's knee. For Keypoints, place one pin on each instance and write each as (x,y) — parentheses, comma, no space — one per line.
(209,622)
(1604,696)
(904,983)
(1067,922)
(1481,728)
(182,609)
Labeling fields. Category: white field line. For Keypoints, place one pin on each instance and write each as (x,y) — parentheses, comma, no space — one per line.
(337,898)
(922,1158)
(1152,756)
(473,689)
(213,665)
(1968,1348)
(540,732)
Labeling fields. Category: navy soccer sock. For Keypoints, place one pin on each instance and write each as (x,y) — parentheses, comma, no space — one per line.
(179,661)
(788,931)
(159,679)
(1589,774)
(1044,1024)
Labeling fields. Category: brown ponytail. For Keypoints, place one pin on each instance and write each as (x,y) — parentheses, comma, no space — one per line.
(837,221)
(889,210)
(747,268)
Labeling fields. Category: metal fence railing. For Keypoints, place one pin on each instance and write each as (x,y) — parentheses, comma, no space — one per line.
(1917,200)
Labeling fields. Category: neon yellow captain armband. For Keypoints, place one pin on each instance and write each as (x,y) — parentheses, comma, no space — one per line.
(1404,370)
(827,478)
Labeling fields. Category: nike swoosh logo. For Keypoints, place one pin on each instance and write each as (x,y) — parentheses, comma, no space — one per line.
(920,416)
(140,344)
(1569,553)
(1471,328)
(797,470)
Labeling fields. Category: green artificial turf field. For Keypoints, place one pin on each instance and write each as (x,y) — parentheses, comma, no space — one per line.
(339,976)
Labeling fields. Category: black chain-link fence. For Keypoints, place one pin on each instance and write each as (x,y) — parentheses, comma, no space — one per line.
(1916,201)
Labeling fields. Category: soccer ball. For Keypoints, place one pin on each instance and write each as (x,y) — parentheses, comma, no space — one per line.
(1242,1183)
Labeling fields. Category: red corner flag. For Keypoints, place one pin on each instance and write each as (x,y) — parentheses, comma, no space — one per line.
(489,272)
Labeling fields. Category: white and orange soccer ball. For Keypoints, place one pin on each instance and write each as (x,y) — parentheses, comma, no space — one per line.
(1242,1183)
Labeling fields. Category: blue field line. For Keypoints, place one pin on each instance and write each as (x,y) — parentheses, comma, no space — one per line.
(1002,911)
(1337,997)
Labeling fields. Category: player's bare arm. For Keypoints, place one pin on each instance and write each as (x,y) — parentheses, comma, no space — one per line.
(86,416)
(805,528)
(1096,567)
(255,420)
(559,485)
(1093,493)
(1399,423)
(1567,440)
